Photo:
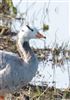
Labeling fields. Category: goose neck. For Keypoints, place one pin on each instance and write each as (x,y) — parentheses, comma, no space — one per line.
(24,50)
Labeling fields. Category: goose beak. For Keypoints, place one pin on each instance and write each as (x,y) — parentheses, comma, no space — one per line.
(39,35)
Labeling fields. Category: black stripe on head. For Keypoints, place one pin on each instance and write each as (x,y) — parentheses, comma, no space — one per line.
(29,27)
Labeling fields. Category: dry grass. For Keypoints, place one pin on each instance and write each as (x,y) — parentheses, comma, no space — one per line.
(40,93)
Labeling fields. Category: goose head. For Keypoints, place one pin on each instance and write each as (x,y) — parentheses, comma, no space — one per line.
(27,32)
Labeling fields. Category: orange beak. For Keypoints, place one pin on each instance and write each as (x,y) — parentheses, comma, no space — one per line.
(39,35)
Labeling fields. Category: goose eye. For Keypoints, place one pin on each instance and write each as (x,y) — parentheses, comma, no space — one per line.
(30,28)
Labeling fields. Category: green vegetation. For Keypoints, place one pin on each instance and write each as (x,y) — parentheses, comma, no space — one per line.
(5,7)
(45,27)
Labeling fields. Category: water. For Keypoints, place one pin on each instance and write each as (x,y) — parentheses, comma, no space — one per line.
(56,76)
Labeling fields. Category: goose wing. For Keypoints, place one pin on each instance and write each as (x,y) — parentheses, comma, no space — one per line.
(5,57)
